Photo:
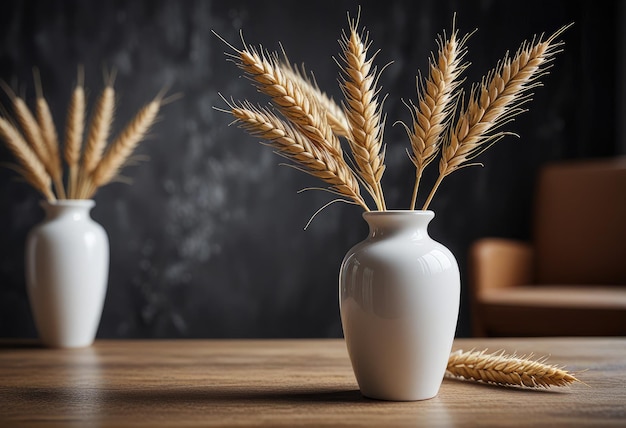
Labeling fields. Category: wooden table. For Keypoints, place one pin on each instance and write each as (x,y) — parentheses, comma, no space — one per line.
(182,383)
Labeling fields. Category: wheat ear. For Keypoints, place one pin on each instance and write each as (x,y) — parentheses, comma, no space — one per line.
(49,134)
(292,144)
(99,129)
(493,103)
(30,166)
(504,369)
(435,104)
(358,83)
(290,99)
(30,127)
(74,129)
(121,148)
(334,113)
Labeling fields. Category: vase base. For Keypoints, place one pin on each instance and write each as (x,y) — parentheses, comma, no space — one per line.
(398,398)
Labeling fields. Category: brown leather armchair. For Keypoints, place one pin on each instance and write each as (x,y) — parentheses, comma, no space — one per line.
(571,279)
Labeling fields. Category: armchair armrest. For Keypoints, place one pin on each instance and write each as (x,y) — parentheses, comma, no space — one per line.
(496,263)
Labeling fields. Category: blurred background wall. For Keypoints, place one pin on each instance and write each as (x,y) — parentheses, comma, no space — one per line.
(208,241)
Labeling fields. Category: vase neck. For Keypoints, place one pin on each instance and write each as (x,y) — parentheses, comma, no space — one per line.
(75,209)
(390,223)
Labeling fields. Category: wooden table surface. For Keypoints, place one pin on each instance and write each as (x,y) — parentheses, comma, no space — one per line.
(181,383)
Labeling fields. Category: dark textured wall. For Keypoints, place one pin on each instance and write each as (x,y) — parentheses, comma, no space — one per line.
(208,241)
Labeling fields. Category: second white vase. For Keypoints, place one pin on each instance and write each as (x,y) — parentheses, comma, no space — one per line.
(67,267)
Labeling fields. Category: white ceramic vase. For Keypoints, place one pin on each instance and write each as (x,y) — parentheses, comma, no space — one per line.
(67,267)
(399,300)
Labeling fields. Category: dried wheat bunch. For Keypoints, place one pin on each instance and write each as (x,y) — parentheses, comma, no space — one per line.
(35,143)
(502,369)
(443,124)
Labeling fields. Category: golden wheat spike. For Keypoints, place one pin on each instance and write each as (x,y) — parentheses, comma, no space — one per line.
(99,129)
(31,168)
(122,147)
(289,98)
(74,129)
(50,138)
(502,369)
(294,145)
(334,113)
(363,111)
(435,104)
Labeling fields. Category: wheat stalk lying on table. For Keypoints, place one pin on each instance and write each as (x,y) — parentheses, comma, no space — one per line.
(35,143)
(501,369)
(443,123)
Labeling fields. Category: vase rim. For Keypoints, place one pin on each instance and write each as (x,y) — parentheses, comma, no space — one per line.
(399,213)
(69,203)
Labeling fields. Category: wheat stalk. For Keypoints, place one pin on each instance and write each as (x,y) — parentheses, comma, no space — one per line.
(99,128)
(358,84)
(31,167)
(74,129)
(292,144)
(493,103)
(32,133)
(290,99)
(50,138)
(37,152)
(502,369)
(121,148)
(436,100)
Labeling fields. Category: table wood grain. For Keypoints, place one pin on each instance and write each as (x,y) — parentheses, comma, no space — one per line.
(290,383)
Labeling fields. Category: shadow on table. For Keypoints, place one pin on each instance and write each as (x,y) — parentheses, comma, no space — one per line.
(231,395)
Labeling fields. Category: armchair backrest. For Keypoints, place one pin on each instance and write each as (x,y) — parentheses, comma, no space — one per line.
(579,229)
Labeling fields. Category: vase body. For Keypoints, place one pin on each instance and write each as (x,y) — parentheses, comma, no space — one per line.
(67,267)
(399,301)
